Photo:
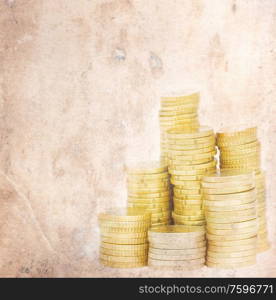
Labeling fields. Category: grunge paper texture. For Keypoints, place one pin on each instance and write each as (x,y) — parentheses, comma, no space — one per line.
(79,96)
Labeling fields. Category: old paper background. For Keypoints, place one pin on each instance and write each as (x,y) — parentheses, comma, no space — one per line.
(79,96)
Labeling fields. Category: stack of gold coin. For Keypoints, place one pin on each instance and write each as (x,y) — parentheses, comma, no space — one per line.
(177,247)
(263,243)
(124,238)
(191,155)
(148,189)
(239,149)
(177,110)
(231,216)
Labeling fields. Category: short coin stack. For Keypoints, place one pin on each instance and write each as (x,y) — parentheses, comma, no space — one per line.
(231,216)
(148,189)
(241,150)
(263,243)
(124,238)
(177,110)
(190,156)
(177,247)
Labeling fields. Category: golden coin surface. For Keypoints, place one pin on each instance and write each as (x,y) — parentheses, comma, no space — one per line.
(229,208)
(191,143)
(220,214)
(230,260)
(228,132)
(245,253)
(170,252)
(137,194)
(123,235)
(188,212)
(202,131)
(123,265)
(187,218)
(178,191)
(184,244)
(176,231)
(124,224)
(203,166)
(148,177)
(151,190)
(176,257)
(118,247)
(232,226)
(191,152)
(149,200)
(191,223)
(229,175)
(123,252)
(231,249)
(123,259)
(227,232)
(251,241)
(187,184)
(232,219)
(180,263)
(182,197)
(186,178)
(214,205)
(123,241)
(124,229)
(230,265)
(124,214)
(222,191)
(223,185)
(251,195)
(150,167)
(232,237)
(191,172)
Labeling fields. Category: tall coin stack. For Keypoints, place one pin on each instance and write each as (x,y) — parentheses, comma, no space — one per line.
(177,247)
(148,189)
(231,216)
(177,110)
(190,156)
(241,150)
(124,238)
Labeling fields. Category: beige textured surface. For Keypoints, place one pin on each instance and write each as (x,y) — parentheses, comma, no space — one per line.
(79,89)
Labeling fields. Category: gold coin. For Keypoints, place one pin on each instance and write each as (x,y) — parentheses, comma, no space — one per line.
(222,185)
(123,265)
(231,260)
(124,259)
(192,172)
(229,175)
(137,194)
(227,232)
(183,244)
(232,226)
(223,243)
(112,252)
(235,141)
(178,191)
(232,219)
(185,202)
(187,218)
(203,131)
(232,237)
(124,214)
(185,155)
(125,229)
(226,214)
(192,143)
(176,163)
(240,147)
(118,247)
(188,212)
(217,205)
(149,200)
(122,224)
(222,191)
(229,133)
(191,152)
(149,177)
(181,263)
(187,184)
(231,249)
(123,235)
(221,255)
(176,252)
(151,208)
(187,207)
(148,185)
(191,223)
(176,257)
(240,153)
(176,231)
(182,197)
(203,166)
(229,208)
(151,190)
(186,178)
(251,194)
(150,167)
(124,241)
(230,265)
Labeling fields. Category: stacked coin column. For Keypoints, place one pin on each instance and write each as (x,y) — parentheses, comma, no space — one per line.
(177,111)
(231,216)
(191,155)
(148,189)
(124,242)
(177,247)
(241,150)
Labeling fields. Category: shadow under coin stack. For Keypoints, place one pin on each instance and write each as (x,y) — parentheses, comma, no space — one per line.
(148,189)
(124,238)
(241,150)
(191,155)
(231,216)
(177,247)
(177,110)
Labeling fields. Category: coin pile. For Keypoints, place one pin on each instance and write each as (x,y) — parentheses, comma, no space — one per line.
(239,149)
(124,238)
(148,189)
(190,156)
(231,216)
(263,243)
(177,110)
(177,247)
